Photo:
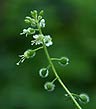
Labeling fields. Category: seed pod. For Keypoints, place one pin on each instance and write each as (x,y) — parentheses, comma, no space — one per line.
(63,61)
(29,53)
(49,86)
(43,72)
(84,98)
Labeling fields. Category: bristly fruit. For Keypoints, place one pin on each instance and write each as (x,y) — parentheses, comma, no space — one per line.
(49,86)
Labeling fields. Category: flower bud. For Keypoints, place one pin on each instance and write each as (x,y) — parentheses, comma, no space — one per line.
(43,72)
(34,14)
(33,23)
(39,18)
(29,53)
(41,13)
(32,31)
(63,61)
(49,86)
(84,98)
(27,19)
(30,20)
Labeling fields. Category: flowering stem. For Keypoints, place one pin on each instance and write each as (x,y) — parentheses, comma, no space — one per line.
(54,70)
(58,78)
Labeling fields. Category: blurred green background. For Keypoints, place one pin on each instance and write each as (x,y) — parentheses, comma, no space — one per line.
(72,25)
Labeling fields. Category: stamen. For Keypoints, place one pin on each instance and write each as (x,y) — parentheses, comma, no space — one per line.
(33,42)
(21,56)
(18,63)
(22,59)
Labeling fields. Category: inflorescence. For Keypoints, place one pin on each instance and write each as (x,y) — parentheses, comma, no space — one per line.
(37,22)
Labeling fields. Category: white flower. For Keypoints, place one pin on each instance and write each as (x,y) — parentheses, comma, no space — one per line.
(48,40)
(42,23)
(27,54)
(38,39)
(28,31)
(25,31)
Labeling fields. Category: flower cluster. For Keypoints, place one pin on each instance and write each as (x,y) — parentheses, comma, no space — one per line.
(36,23)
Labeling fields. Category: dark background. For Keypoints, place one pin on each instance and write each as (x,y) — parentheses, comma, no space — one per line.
(72,25)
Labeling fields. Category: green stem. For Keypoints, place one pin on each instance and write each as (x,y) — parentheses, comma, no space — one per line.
(60,81)
(75,95)
(54,80)
(55,59)
(54,70)
(38,48)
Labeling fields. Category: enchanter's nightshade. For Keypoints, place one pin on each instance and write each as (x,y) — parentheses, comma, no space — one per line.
(37,22)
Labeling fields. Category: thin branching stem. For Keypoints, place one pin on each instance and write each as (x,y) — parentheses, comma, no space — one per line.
(38,48)
(54,70)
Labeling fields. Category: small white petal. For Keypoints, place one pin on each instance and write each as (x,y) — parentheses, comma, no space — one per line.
(48,40)
(35,36)
(21,56)
(24,32)
(38,39)
(49,43)
(32,42)
(17,63)
(42,23)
